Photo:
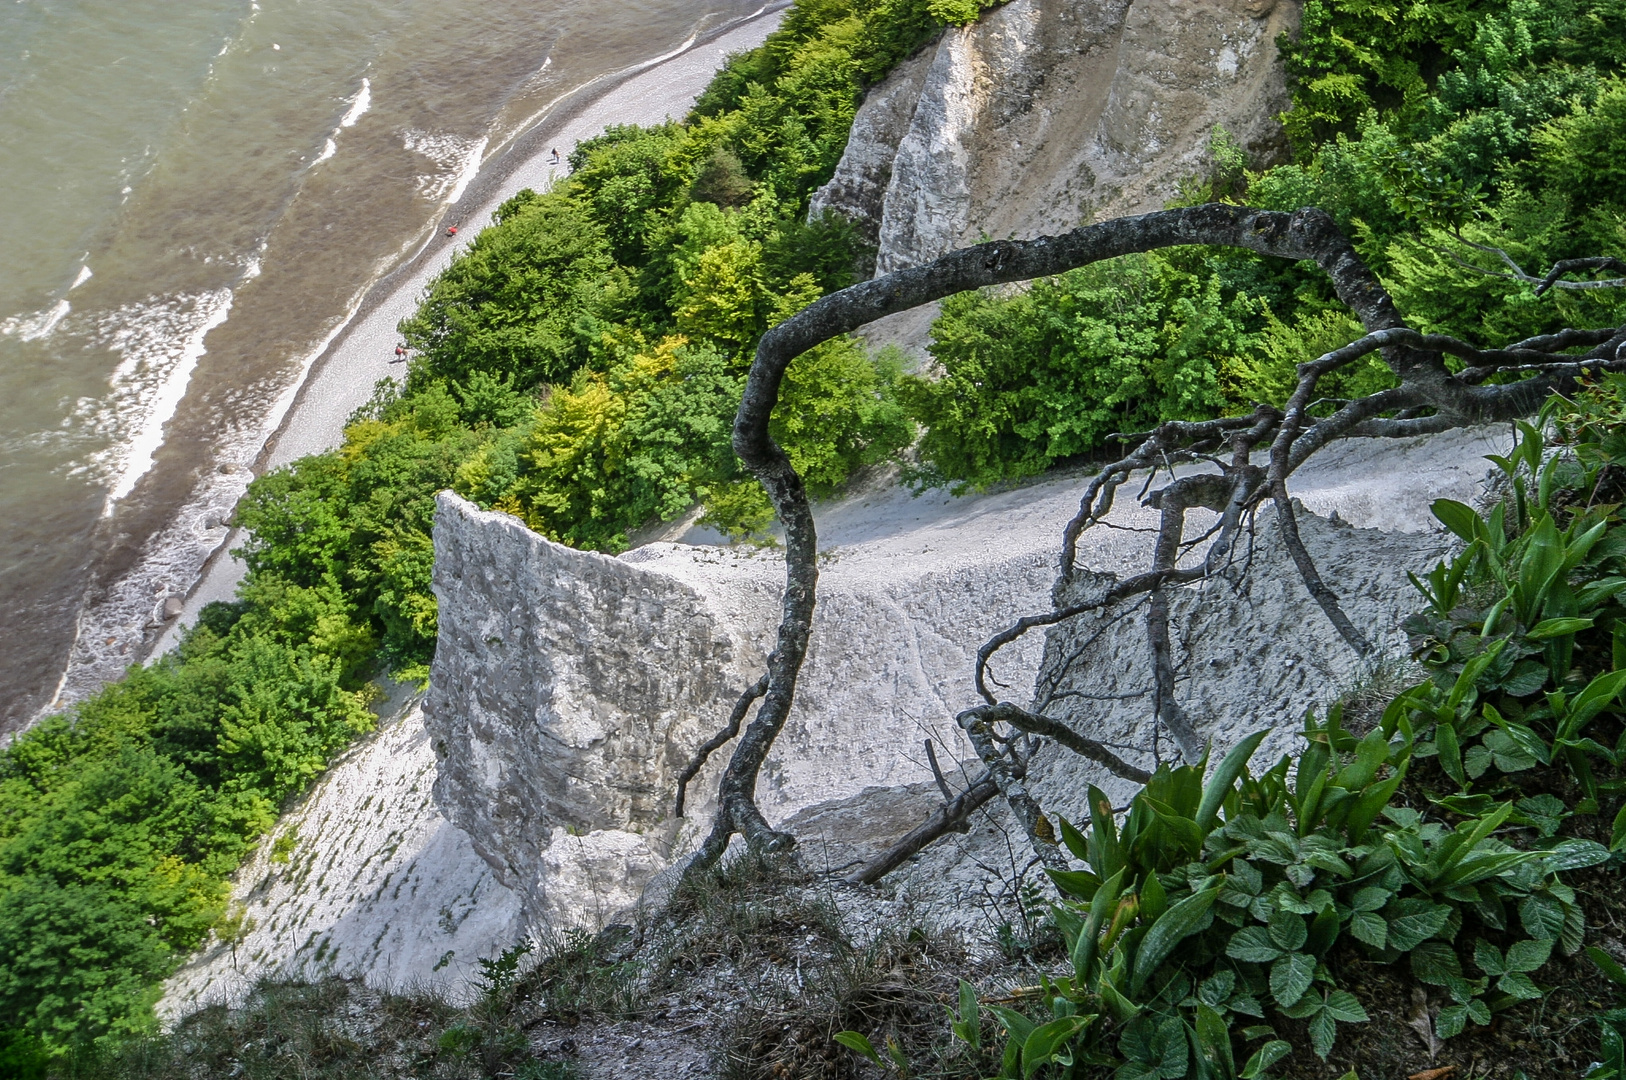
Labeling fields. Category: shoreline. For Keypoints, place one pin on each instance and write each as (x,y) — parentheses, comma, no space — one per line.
(342,374)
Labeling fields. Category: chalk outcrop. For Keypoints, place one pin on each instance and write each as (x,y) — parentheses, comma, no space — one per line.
(366,878)
(1047,114)
(570,688)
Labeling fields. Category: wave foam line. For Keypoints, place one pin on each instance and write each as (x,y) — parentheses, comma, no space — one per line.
(358,105)
(141,449)
(35,326)
(471,169)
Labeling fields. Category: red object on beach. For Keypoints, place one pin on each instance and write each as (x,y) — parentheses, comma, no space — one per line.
(451,230)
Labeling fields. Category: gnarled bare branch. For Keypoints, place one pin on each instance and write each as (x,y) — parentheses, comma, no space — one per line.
(1429,398)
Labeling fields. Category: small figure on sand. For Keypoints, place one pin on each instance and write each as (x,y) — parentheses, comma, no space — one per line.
(451,230)
(554,160)
(400,354)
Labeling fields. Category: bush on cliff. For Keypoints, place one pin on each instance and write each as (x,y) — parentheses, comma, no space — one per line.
(606,325)
(1435,133)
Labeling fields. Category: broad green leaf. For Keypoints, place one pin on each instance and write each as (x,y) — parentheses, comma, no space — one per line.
(858,1043)
(968,1024)
(1484,865)
(1370,756)
(1343,1006)
(1106,855)
(1370,898)
(1077,883)
(1542,916)
(1608,965)
(1101,909)
(1290,978)
(1436,963)
(1181,833)
(1597,696)
(1266,1056)
(1019,1026)
(1488,958)
(1451,1021)
(1414,920)
(1214,1036)
(1075,841)
(1479,1012)
(1459,518)
(1573,935)
(1180,921)
(1162,1046)
(1517,984)
(1287,930)
(1224,779)
(1551,628)
(1445,739)
(1252,943)
(1123,1010)
(1323,1033)
(1216,988)
(1039,1048)
(1323,931)
(1575,854)
(1370,927)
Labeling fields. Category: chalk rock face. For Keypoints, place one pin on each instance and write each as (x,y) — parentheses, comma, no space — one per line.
(858,190)
(1047,114)
(366,878)
(1254,649)
(569,689)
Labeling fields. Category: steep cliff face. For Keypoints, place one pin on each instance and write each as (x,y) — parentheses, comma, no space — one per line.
(364,878)
(1051,113)
(569,689)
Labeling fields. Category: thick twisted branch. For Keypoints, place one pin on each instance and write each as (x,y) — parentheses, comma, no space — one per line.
(1309,234)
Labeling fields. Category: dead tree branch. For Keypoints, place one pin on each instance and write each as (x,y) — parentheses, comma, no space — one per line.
(716,742)
(1428,398)
(953,816)
(1553,277)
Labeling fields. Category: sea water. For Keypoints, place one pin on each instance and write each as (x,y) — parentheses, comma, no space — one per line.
(194,194)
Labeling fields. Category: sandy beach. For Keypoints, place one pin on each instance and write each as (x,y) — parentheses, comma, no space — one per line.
(343,376)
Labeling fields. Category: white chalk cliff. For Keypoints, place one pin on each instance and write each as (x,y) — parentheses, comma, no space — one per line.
(1048,114)
(533,787)
(569,688)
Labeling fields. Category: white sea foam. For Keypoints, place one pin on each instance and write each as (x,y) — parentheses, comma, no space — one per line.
(328,150)
(36,325)
(358,105)
(159,341)
(471,169)
(84,276)
(458,160)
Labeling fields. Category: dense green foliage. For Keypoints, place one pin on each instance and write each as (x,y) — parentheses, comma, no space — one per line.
(1424,129)
(1225,923)
(120,822)
(579,366)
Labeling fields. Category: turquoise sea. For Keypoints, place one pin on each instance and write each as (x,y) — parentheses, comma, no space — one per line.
(193,196)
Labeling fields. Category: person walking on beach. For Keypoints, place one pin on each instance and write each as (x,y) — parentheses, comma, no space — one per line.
(451,230)
(400,354)
(555,159)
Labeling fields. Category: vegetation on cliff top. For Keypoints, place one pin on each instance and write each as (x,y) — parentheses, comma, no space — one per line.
(580,365)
